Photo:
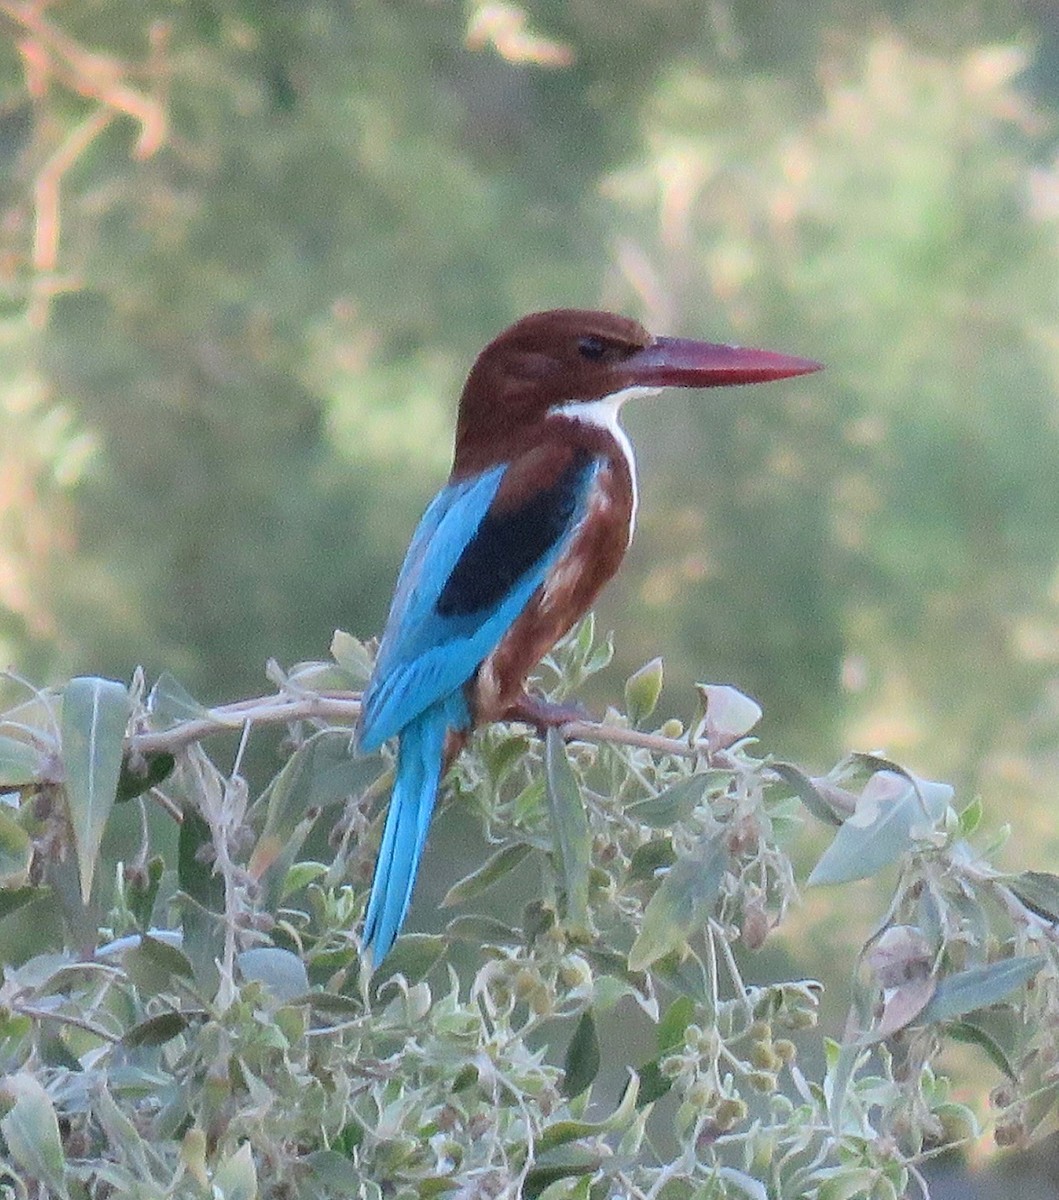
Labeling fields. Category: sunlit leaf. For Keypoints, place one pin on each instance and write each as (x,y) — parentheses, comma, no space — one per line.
(681,904)
(570,827)
(95,713)
(582,1057)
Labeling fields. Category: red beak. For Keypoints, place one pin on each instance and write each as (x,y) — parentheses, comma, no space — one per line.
(680,362)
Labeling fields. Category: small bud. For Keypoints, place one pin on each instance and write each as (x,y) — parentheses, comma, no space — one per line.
(642,689)
(764,1058)
(762,1081)
(730,1111)
(672,728)
(785,1050)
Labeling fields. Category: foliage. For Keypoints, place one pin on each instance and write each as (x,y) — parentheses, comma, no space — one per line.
(199,1024)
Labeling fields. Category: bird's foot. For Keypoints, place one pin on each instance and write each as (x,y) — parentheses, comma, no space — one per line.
(545,714)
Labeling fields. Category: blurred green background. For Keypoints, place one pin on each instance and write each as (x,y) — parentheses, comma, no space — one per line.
(249,250)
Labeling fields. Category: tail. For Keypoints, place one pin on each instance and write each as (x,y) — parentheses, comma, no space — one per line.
(420,765)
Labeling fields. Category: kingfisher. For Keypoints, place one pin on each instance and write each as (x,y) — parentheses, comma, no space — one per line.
(536,516)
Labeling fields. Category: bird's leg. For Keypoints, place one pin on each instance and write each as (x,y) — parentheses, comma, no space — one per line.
(545,714)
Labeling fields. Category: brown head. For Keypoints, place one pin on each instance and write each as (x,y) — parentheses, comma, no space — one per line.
(569,356)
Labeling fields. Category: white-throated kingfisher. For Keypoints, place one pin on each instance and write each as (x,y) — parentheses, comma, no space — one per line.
(535,518)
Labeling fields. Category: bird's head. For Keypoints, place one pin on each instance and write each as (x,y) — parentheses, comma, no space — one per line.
(567,356)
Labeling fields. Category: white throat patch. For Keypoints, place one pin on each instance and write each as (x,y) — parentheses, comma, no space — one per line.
(603,414)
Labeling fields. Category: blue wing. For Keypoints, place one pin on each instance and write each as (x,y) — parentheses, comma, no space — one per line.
(470,570)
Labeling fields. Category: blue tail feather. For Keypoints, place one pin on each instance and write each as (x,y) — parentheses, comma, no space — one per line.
(420,761)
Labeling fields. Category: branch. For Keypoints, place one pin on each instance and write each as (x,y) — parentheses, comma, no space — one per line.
(344,708)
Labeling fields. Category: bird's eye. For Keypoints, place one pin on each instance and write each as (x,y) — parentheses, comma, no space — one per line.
(592,348)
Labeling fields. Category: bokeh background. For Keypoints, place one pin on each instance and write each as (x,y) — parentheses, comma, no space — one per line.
(248,251)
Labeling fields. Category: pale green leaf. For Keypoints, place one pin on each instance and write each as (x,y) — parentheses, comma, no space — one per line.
(31,1130)
(495,867)
(16,851)
(170,703)
(352,656)
(573,840)
(95,714)
(891,806)
(282,972)
(642,690)
(236,1177)
(19,762)
(681,904)
(980,987)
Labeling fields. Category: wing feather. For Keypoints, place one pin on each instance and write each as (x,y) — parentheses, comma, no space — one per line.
(476,558)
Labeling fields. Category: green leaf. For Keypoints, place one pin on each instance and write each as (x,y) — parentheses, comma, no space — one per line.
(12,899)
(477,929)
(650,858)
(31,1131)
(321,773)
(676,1019)
(281,971)
(156,1031)
(980,987)
(973,1034)
(889,809)
(195,872)
(413,955)
(134,782)
(653,1084)
(19,762)
(582,1057)
(570,826)
(495,867)
(152,964)
(807,793)
(1039,891)
(236,1177)
(676,803)
(16,852)
(140,894)
(170,703)
(352,656)
(95,714)
(681,904)
(334,1172)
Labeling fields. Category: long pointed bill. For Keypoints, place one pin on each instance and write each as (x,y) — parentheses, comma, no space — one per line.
(680,362)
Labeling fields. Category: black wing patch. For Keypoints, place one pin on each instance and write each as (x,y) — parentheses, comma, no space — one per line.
(507,544)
